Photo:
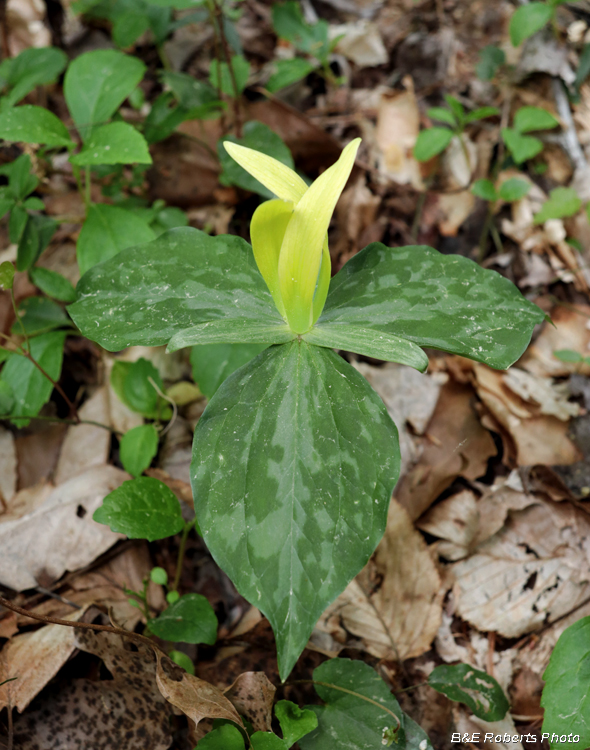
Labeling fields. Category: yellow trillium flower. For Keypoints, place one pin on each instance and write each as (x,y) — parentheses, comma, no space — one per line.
(289,235)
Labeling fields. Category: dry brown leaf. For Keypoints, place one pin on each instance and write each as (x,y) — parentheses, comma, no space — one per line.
(533,571)
(7,466)
(38,450)
(124,712)
(551,397)
(452,209)
(252,695)
(59,533)
(86,445)
(361,43)
(570,330)
(463,521)
(398,125)
(394,605)
(455,445)
(34,659)
(196,698)
(537,439)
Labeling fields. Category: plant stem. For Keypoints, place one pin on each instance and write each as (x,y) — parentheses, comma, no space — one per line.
(20,320)
(58,420)
(232,75)
(181,550)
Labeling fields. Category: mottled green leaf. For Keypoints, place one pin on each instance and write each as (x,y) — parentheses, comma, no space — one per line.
(259,137)
(294,461)
(441,301)
(142,508)
(360,712)
(96,84)
(527,20)
(369,343)
(53,284)
(138,447)
(480,692)
(190,619)
(108,230)
(30,387)
(39,315)
(182,279)
(30,124)
(6,397)
(213,363)
(114,143)
(232,332)
(431,142)
(566,695)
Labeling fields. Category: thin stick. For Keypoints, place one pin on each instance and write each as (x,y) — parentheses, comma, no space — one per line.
(81,625)
(62,421)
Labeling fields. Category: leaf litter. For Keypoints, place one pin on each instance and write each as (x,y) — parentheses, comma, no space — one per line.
(485,555)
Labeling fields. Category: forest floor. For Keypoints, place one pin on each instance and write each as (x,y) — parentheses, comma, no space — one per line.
(485,559)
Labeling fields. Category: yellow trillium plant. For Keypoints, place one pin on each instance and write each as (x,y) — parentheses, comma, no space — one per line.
(289,235)
(295,457)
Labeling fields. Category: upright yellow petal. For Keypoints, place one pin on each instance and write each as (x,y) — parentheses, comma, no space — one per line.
(301,253)
(274,175)
(267,230)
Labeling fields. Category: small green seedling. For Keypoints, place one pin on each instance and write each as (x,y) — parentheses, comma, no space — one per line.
(530,18)
(519,143)
(295,456)
(311,40)
(510,190)
(570,356)
(434,141)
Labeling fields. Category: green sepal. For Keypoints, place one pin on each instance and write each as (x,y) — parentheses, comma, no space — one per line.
(142,296)
(440,301)
(369,343)
(294,462)
(232,331)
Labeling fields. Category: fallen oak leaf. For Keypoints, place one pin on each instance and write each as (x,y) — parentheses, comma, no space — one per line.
(196,698)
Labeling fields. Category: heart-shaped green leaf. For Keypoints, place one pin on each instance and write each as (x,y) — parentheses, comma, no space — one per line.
(360,712)
(294,462)
(441,301)
(138,447)
(183,278)
(96,84)
(114,143)
(190,619)
(142,508)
